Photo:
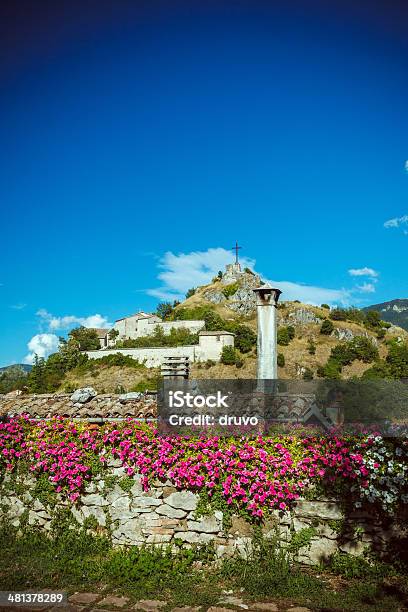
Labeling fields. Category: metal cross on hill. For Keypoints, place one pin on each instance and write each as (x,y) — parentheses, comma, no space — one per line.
(236,249)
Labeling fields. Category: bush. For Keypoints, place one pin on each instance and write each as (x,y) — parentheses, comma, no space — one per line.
(285,335)
(281,360)
(327,327)
(307,374)
(229,290)
(363,349)
(239,362)
(228,355)
(397,359)
(338,314)
(325,306)
(332,369)
(342,353)
(190,292)
(245,338)
(311,347)
(372,319)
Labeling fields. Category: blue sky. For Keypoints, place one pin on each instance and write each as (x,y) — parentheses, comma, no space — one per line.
(140,140)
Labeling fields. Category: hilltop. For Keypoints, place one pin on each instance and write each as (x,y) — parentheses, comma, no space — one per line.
(231,298)
(313,342)
(394,311)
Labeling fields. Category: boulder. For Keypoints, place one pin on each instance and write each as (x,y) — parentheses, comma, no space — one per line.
(129,397)
(84,395)
(185,500)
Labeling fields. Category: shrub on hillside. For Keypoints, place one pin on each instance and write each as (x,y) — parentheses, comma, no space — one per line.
(327,327)
(311,347)
(281,360)
(338,314)
(307,374)
(229,290)
(285,335)
(325,306)
(245,338)
(228,355)
(190,292)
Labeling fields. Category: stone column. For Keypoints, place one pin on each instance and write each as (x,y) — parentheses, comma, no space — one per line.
(266,305)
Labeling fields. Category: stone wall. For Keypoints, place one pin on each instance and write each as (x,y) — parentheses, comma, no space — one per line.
(117,505)
(208,347)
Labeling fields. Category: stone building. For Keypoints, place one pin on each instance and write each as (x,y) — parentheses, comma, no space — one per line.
(144,324)
(210,345)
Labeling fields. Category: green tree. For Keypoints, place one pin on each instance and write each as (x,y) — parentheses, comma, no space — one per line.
(36,379)
(164,310)
(327,327)
(372,319)
(86,338)
(338,314)
(397,359)
(113,334)
(245,338)
(325,306)
(190,292)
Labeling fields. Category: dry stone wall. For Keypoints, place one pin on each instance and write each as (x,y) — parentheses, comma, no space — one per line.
(117,505)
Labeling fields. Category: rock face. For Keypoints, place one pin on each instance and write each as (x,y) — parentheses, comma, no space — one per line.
(82,396)
(302,316)
(243,300)
(164,515)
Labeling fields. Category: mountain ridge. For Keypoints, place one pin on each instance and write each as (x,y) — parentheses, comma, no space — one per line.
(393,311)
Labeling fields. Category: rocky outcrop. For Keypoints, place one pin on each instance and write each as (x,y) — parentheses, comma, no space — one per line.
(82,396)
(243,300)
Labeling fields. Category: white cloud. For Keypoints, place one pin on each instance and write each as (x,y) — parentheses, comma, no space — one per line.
(363,272)
(19,306)
(406,165)
(185,270)
(59,323)
(310,294)
(397,222)
(366,288)
(180,272)
(41,345)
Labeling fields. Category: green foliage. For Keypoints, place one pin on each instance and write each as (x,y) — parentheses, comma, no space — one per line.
(249,271)
(228,355)
(364,349)
(332,369)
(327,327)
(149,384)
(325,306)
(13,378)
(307,374)
(342,353)
(191,292)
(87,339)
(280,360)
(176,337)
(113,334)
(164,310)
(115,359)
(46,376)
(230,289)
(300,539)
(379,370)
(245,338)
(397,359)
(311,347)
(352,566)
(372,319)
(338,314)
(285,335)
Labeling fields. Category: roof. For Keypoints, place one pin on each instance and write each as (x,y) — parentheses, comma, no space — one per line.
(222,332)
(138,315)
(101,331)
